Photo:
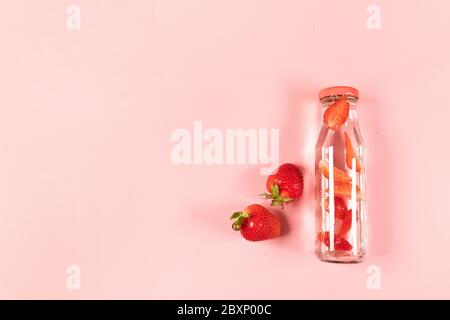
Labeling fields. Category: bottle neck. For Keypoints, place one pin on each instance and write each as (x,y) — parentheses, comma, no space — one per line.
(352,113)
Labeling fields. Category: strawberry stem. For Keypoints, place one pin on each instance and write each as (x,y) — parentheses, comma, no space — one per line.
(239,217)
(277,198)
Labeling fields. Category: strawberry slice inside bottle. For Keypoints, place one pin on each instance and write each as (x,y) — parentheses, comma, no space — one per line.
(343,225)
(350,154)
(345,191)
(340,176)
(337,113)
(340,243)
(342,216)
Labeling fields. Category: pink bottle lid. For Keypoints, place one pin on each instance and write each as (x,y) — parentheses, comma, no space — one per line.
(338,91)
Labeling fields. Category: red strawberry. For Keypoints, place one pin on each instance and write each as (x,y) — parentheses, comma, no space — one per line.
(339,175)
(337,113)
(340,244)
(340,208)
(343,225)
(256,223)
(350,154)
(285,185)
(342,216)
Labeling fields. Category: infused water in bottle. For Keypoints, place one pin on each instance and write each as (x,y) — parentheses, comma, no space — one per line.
(340,180)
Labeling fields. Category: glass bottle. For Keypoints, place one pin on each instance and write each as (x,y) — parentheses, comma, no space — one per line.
(340,180)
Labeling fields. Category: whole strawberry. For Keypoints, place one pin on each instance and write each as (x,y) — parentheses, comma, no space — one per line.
(285,185)
(256,223)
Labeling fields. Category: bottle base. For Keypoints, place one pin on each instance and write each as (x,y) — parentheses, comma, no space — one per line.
(340,258)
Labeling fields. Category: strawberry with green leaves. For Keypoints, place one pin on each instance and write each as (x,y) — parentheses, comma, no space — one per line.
(256,223)
(285,185)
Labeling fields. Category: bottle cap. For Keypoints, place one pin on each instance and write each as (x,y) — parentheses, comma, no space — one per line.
(338,91)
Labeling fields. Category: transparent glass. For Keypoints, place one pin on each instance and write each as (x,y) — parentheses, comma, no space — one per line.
(336,201)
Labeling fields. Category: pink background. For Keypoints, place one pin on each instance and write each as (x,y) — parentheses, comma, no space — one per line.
(86,118)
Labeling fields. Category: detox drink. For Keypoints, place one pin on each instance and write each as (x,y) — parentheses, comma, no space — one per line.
(340,164)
